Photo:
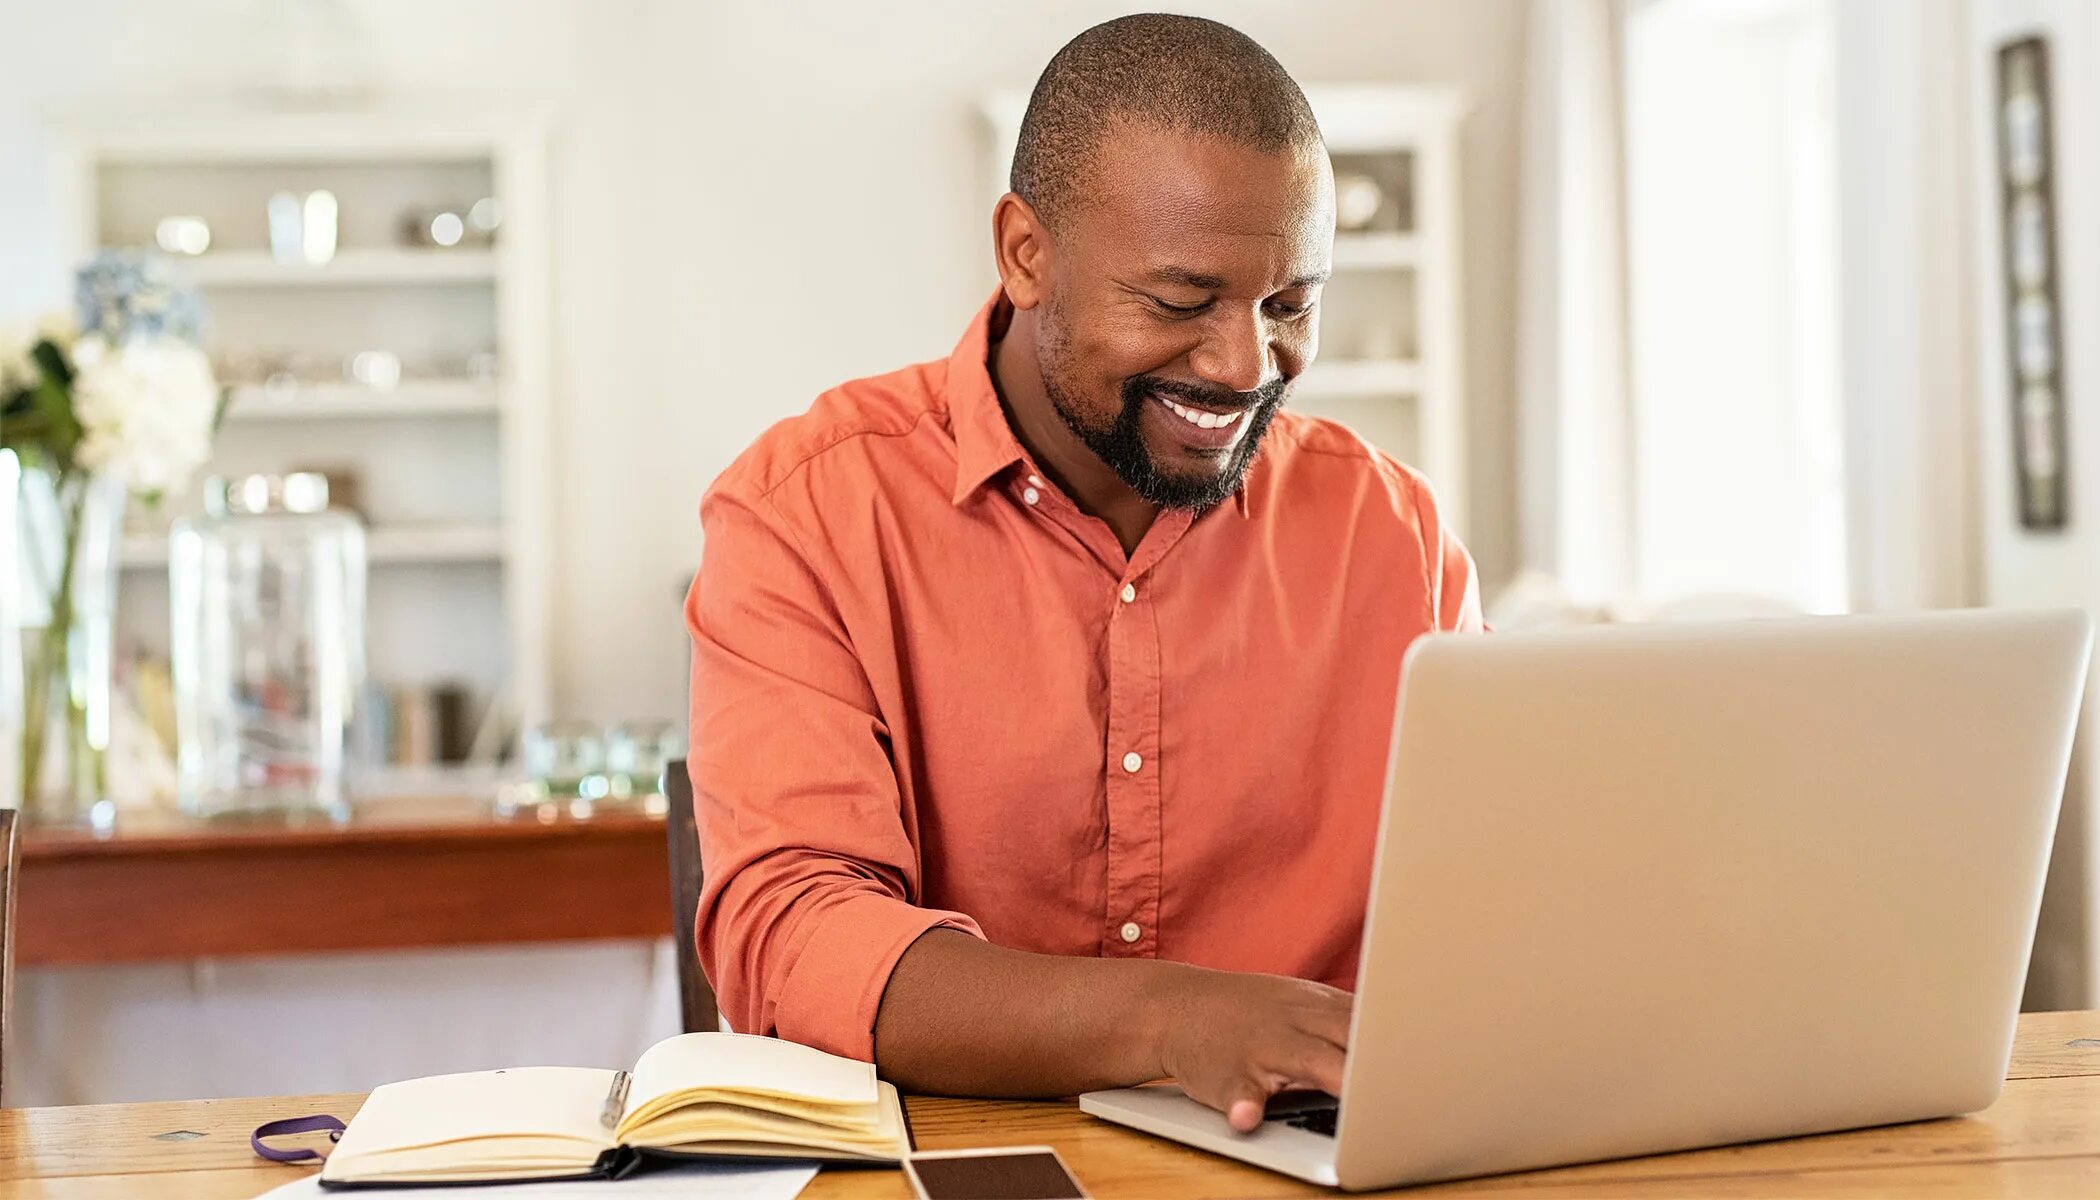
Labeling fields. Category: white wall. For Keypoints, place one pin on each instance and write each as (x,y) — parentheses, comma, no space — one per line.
(753,202)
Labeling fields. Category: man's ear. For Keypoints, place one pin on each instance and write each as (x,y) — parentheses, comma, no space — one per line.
(1021,247)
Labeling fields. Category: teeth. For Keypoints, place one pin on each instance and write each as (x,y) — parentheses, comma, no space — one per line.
(1199,418)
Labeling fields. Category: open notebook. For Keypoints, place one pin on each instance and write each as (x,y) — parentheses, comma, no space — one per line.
(698,1095)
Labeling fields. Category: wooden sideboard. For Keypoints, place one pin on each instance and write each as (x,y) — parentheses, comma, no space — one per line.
(401,874)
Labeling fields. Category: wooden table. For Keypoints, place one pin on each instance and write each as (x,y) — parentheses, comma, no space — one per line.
(401,874)
(2042,1139)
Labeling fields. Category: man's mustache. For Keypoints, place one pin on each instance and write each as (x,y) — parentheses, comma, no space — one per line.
(1213,398)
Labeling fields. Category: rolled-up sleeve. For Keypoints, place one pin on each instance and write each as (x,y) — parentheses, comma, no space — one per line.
(810,875)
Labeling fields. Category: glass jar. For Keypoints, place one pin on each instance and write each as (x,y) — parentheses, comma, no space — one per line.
(565,760)
(635,754)
(267,596)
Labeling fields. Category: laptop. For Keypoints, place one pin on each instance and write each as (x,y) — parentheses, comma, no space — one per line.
(1650,888)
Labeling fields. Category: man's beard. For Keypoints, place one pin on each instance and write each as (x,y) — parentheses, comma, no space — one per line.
(1121,443)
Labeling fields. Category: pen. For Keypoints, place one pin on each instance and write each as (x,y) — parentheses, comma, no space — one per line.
(616,1099)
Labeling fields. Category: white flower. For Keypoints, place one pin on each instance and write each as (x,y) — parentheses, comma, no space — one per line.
(145,408)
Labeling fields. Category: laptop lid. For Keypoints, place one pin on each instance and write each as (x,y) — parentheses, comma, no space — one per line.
(1655,887)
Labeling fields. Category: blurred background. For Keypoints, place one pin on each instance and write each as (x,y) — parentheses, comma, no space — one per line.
(1690,309)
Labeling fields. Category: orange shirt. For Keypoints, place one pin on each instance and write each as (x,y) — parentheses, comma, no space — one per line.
(929,691)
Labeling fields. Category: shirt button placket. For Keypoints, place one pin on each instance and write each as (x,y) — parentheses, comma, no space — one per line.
(1133,783)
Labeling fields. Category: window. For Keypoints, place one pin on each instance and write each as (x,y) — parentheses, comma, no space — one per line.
(1737,434)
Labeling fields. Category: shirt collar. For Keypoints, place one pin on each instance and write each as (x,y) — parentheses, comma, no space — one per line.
(984,443)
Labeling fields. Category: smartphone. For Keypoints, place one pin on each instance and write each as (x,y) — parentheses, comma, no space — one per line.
(995,1173)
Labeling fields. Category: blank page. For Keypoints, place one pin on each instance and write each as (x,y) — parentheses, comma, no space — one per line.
(738,1062)
(544,1101)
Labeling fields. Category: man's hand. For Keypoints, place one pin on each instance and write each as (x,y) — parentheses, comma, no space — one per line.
(962,1017)
(1233,1040)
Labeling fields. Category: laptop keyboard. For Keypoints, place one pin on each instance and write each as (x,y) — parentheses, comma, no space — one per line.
(1312,1120)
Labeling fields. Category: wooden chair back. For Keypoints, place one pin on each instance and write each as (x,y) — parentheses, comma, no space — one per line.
(10,861)
(696,1000)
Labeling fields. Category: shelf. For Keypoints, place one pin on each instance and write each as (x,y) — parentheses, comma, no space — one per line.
(1361,377)
(255,268)
(433,543)
(1376,251)
(335,401)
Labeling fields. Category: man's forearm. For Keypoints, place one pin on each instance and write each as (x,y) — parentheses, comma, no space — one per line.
(964,1017)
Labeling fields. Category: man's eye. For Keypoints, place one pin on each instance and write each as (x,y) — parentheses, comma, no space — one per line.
(1180,310)
(1288,312)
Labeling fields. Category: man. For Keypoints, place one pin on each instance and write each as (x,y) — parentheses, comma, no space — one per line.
(1042,694)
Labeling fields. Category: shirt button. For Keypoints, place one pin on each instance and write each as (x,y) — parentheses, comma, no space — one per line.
(1129,592)
(1132,761)
(1130,931)
(1034,481)
(1031,495)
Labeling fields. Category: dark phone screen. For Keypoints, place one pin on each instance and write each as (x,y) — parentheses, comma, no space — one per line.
(1030,1175)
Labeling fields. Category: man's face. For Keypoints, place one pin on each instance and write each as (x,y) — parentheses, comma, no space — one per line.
(1182,300)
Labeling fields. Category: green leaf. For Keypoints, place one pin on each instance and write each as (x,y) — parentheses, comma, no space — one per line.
(55,405)
(53,362)
(23,427)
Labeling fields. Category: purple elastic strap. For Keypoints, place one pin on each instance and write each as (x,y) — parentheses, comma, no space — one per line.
(315,1124)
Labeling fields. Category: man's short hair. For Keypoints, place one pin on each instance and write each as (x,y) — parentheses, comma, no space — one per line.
(1175,74)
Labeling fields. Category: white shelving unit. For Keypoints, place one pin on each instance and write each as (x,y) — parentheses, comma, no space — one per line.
(1373,251)
(344,401)
(1391,352)
(451,468)
(1360,378)
(255,268)
(399,544)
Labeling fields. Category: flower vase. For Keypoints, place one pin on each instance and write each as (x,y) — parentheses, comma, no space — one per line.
(69,525)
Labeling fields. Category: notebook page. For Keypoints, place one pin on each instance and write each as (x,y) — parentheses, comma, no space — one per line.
(740,1062)
(715,1128)
(545,1101)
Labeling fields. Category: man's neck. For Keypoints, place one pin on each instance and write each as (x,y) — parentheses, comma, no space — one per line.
(1018,378)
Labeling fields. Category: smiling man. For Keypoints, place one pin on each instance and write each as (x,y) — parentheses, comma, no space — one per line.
(1042,693)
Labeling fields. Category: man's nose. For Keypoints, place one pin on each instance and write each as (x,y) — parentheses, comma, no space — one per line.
(1235,351)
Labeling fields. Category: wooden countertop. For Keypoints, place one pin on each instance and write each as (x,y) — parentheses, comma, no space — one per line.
(2041,1139)
(400,874)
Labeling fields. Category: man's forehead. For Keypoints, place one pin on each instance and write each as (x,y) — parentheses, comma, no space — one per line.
(1163,201)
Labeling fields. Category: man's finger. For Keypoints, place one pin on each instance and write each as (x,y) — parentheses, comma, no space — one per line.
(1245,1105)
(1319,1064)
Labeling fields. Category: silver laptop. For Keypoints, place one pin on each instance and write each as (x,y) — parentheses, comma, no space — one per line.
(1649,888)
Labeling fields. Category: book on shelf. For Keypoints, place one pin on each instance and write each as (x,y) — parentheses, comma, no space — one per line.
(415,725)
